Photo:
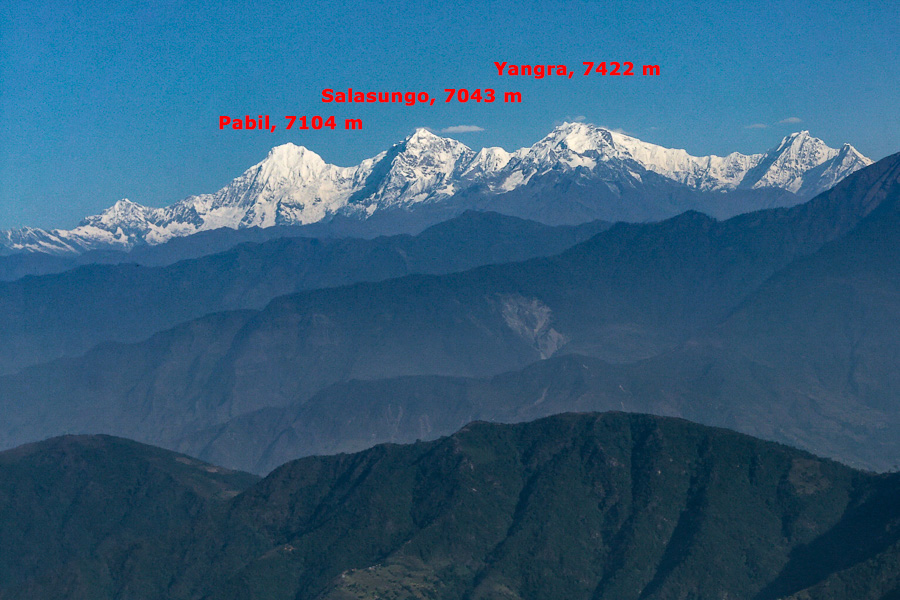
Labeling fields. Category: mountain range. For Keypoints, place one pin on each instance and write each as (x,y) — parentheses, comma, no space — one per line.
(647,294)
(577,173)
(273,322)
(576,506)
(808,358)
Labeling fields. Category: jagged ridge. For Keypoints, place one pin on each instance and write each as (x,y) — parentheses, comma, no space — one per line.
(294,186)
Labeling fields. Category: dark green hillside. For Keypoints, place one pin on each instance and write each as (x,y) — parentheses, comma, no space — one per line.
(573,506)
(82,515)
(577,506)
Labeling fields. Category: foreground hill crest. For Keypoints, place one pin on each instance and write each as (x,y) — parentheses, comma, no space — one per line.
(295,186)
(579,506)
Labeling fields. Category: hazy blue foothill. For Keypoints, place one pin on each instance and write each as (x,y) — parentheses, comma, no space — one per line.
(681,314)
(128,302)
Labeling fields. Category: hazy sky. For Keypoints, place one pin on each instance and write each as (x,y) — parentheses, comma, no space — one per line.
(103,100)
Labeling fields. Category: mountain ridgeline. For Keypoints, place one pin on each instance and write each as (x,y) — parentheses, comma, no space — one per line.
(577,173)
(610,506)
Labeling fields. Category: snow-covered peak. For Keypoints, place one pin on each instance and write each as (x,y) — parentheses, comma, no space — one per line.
(290,162)
(802,149)
(577,137)
(571,145)
(797,140)
(124,206)
(290,155)
(848,152)
(798,162)
(423,167)
(123,214)
(423,141)
(424,136)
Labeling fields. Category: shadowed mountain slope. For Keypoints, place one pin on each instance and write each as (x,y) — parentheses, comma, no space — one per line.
(611,506)
(75,510)
(43,318)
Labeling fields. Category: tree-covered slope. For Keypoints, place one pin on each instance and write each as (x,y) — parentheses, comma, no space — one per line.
(82,515)
(589,506)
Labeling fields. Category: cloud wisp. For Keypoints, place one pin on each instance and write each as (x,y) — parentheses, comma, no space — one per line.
(461,129)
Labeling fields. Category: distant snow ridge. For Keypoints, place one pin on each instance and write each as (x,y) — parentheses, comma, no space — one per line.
(294,186)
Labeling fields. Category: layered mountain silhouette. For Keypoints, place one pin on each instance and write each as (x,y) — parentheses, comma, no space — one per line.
(43,318)
(809,359)
(577,173)
(670,295)
(274,328)
(617,506)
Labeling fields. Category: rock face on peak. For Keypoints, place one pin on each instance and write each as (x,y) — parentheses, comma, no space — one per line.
(577,173)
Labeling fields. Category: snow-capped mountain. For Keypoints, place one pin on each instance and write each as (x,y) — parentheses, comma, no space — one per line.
(294,186)
(804,165)
(422,168)
(796,164)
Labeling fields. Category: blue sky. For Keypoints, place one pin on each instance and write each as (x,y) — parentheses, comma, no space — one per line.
(103,100)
